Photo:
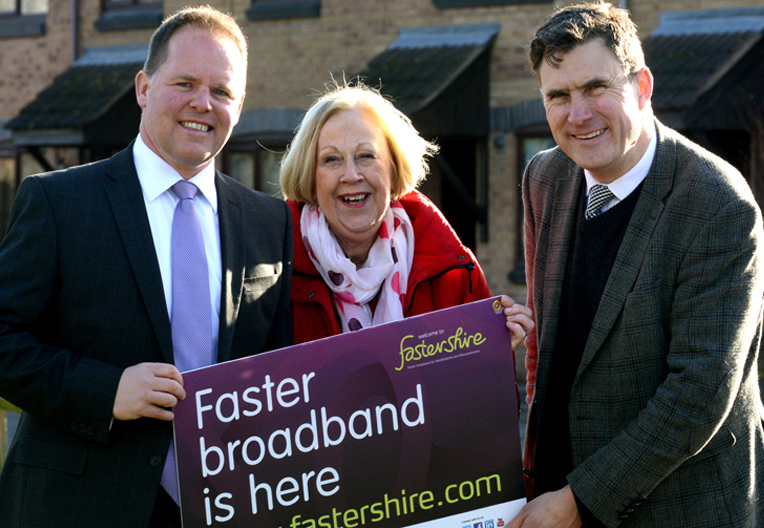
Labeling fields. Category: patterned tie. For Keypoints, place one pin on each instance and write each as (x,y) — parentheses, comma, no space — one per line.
(191,311)
(599,195)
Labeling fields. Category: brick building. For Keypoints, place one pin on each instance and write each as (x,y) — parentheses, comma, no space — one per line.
(457,67)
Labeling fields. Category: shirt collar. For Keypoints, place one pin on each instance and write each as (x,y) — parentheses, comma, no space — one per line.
(624,185)
(157,176)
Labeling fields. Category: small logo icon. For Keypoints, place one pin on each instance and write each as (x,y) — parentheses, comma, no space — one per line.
(478,525)
(489,523)
(500,522)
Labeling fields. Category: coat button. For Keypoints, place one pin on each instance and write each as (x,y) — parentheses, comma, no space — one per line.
(156,461)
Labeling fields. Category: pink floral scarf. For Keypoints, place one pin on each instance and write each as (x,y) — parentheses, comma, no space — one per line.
(386,270)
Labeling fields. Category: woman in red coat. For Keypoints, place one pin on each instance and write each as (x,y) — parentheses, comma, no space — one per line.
(369,248)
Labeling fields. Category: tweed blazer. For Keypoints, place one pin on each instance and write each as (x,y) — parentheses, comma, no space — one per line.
(665,414)
(81,299)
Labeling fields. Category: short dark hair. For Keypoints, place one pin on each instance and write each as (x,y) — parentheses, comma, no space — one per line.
(203,17)
(578,24)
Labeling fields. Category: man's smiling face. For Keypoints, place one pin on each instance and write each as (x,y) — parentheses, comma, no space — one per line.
(595,110)
(194,99)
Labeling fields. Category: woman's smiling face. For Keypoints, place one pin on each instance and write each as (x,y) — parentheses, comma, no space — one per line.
(353,179)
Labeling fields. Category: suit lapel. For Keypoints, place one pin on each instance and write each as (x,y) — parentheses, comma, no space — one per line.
(556,236)
(233,263)
(636,240)
(123,191)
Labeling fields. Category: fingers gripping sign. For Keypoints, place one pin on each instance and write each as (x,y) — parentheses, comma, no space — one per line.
(148,390)
(519,319)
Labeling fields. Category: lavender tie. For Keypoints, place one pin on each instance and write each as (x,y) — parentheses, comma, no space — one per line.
(191,311)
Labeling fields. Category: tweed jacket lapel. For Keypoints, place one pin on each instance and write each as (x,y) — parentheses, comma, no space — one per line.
(636,240)
(556,234)
(123,192)
(233,262)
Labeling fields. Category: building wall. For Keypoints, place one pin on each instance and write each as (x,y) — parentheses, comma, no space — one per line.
(646,13)
(291,60)
(90,36)
(29,64)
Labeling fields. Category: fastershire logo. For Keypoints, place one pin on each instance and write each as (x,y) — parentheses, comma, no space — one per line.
(460,340)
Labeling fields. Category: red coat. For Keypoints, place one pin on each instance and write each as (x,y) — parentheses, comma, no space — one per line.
(444,273)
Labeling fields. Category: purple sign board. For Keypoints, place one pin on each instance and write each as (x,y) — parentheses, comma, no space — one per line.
(411,423)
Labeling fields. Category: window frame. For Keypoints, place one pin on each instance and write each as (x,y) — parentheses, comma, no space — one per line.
(119,15)
(17,11)
(257,149)
(15,24)
(283,9)
(448,4)
(128,5)
(525,151)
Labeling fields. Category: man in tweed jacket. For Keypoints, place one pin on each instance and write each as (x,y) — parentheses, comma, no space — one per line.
(646,408)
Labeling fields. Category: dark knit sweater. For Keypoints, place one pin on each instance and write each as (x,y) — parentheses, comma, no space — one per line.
(593,250)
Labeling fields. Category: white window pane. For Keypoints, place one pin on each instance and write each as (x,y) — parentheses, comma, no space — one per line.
(269,172)
(34,7)
(243,168)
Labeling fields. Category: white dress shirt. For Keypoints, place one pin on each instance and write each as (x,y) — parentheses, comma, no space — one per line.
(625,185)
(157,177)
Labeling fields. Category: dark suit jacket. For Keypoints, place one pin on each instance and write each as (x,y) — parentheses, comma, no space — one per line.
(81,299)
(665,414)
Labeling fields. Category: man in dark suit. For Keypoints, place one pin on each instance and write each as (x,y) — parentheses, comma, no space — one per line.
(644,267)
(88,317)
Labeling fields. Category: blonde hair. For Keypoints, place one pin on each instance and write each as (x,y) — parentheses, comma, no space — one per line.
(410,152)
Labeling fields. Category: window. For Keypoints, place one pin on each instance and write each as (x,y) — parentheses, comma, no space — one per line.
(129,14)
(13,8)
(257,168)
(532,146)
(281,9)
(122,5)
(22,18)
(7,191)
(529,147)
(444,4)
